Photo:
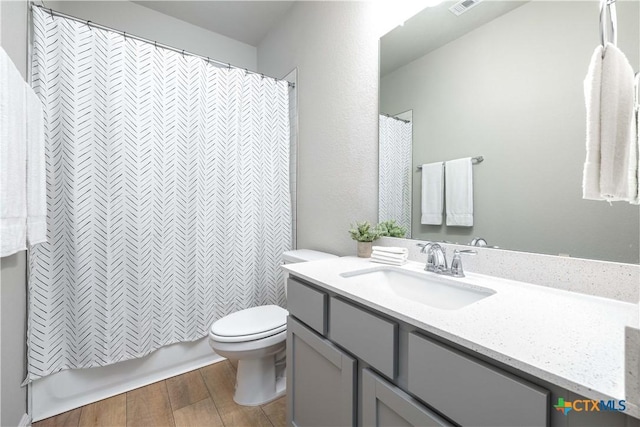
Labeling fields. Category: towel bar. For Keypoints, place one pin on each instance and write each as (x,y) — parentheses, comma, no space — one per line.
(474,161)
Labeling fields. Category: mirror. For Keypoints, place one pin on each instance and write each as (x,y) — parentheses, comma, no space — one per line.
(504,80)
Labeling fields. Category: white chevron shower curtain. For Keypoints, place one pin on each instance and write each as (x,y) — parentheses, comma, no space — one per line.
(394,192)
(168,196)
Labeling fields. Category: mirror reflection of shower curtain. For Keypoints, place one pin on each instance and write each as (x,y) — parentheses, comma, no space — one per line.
(394,195)
(168,196)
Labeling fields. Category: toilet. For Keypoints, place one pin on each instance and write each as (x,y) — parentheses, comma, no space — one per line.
(256,338)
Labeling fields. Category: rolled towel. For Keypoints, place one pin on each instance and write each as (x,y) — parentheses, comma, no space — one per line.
(391,249)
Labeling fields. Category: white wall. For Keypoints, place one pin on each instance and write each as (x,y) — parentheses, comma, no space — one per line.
(13,283)
(144,22)
(334,45)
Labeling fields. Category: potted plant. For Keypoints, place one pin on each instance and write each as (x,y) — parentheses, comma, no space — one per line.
(391,229)
(364,234)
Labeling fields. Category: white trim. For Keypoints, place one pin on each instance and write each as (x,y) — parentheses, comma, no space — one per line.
(25,421)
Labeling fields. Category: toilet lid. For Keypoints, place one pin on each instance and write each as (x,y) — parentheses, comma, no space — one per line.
(250,324)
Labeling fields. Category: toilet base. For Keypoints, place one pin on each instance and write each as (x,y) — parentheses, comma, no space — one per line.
(256,382)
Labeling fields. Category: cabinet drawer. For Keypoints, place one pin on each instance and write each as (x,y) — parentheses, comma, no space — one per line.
(366,335)
(471,392)
(385,405)
(307,304)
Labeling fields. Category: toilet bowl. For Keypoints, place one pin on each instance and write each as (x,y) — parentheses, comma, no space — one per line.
(256,338)
(253,336)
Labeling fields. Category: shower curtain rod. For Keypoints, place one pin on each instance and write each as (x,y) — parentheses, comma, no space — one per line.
(155,43)
(393,117)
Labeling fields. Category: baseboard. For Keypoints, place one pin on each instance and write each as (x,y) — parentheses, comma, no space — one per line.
(25,421)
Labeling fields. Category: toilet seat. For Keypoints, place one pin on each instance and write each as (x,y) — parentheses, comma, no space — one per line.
(251,324)
(256,338)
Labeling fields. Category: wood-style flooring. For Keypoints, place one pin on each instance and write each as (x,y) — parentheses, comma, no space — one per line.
(199,398)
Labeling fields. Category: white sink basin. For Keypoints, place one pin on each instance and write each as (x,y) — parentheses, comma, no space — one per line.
(426,288)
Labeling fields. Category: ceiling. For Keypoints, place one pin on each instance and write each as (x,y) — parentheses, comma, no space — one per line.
(435,27)
(249,22)
(246,21)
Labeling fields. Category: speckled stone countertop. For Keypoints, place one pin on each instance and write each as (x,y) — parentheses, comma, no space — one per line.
(570,339)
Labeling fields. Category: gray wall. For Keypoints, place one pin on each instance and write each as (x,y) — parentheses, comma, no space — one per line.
(13,283)
(145,22)
(512,91)
(334,45)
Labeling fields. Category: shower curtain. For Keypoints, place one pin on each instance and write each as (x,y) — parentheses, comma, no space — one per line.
(394,193)
(168,196)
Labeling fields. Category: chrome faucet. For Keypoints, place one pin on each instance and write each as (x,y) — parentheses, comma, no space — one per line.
(437,259)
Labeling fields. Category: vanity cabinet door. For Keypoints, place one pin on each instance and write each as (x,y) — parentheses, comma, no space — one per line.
(385,405)
(321,380)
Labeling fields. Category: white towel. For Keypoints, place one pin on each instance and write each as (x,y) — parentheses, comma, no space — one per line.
(13,157)
(385,260)
(36,170)
(390,249)
(634,165)
(389,257)
(610,170)
(459,192)
(618,179)
(636,147)
(431,194)
(592,83)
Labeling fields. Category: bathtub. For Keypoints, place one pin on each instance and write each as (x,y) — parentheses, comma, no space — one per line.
(70,389)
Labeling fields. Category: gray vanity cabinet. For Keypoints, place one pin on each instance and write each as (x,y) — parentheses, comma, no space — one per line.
(385,405)
(350,365)
(321,380)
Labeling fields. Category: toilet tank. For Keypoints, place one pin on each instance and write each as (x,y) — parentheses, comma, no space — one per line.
(302,255)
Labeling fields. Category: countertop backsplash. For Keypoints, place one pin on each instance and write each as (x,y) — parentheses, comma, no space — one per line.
(600,278)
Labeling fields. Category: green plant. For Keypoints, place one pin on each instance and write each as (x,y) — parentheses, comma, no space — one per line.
(364,232)
(391,229)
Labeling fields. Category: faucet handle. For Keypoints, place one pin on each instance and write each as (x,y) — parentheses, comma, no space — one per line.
(478,241)
(456,262)
(466,251)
